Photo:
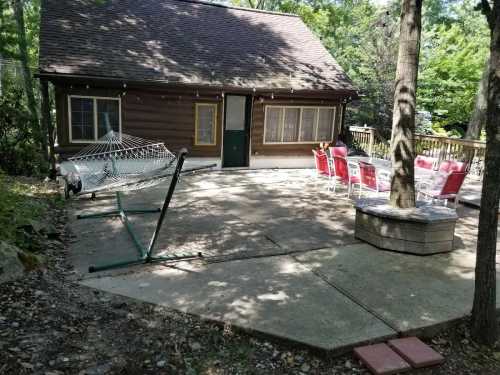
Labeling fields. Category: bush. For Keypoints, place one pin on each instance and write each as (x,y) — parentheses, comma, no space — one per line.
(25,203)
(19,154)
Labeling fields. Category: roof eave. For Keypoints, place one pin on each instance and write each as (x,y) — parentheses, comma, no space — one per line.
(349,94)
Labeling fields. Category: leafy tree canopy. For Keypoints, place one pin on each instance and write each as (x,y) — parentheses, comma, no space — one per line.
(363,37)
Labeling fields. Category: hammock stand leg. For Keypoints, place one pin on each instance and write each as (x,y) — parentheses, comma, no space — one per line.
(119,211)
(146,255)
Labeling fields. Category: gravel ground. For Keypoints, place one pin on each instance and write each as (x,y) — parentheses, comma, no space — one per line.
(51,325)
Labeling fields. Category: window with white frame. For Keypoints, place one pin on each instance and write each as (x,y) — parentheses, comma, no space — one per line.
(298,124)
(206,119)
(91,117)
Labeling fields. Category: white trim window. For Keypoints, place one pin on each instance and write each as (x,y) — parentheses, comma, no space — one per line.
(91,117)
(205,124)
(298,124)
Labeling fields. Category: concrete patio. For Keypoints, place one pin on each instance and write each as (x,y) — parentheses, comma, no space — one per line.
(280,259)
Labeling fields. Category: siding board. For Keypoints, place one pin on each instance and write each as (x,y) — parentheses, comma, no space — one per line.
(163,116)
(146,115)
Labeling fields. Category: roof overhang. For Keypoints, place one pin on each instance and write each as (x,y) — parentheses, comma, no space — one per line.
(123,83)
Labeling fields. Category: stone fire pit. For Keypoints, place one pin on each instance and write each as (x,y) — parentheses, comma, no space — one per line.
(423,230)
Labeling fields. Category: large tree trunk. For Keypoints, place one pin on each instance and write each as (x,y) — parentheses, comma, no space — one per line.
(478,117)
(17,5)
(484,322)
(403,120)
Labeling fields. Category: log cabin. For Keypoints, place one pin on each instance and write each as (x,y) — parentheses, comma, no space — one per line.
(236,86)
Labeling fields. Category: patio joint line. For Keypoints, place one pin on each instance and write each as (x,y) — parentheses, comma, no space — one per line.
(270,239)
(351,297)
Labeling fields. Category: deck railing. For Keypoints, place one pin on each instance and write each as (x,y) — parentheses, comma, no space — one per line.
(442,148)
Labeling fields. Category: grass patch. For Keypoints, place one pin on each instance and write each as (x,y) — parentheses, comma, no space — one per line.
(23,201)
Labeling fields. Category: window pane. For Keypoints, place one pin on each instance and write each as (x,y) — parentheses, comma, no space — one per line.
(308,125)
(325,121)
(338,116)
(82,118)
(273,124)
(205,126)
(108,117)
(291,125)
(235,112)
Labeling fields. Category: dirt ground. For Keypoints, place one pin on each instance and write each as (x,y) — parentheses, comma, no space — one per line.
(50,325)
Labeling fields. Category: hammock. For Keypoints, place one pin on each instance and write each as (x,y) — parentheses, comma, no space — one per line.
(120,162)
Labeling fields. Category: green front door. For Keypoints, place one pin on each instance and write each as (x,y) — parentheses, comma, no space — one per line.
(236,131)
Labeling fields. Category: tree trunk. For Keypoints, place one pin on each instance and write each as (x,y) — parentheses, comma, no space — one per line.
(17,5)
(48,125)
(484,322)
(403,119)
(1,68)
(479,115)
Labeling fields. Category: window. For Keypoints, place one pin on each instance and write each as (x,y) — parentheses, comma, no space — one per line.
(290,124)
(91,118)
(206,118)
(235,112)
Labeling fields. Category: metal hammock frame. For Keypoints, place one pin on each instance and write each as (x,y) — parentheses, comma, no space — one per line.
(146,253)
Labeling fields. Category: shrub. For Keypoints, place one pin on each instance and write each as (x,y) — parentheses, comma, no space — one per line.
(19,154)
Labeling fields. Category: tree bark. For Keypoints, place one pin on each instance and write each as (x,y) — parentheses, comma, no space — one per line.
(483,321)
(403,120)
(48,125)
(478,117)
(17,5)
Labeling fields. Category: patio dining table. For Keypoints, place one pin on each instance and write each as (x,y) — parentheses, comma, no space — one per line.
(421,174)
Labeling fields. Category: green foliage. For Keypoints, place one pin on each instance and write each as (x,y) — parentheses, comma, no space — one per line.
(8,37)
(453,57)
(8,33)
(20,150)
(23,201)
(363,37)
(19,154)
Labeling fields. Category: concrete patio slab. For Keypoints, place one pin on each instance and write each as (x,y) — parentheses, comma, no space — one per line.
(409,292)
(343,294)
(277,295)
(470,193)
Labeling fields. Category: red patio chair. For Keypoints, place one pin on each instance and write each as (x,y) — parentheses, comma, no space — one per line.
(322,165)
(371,179)
(452,166)
(338,151)
(345,172)
(425,162)
(443,188)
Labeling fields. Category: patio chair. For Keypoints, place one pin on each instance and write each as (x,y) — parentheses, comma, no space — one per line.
(441,188)
(425,162)
(322,165)
(372,179)
(345,172)
(338,151)
(452,166)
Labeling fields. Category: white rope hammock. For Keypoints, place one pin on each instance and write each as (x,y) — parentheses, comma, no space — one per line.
(120,162)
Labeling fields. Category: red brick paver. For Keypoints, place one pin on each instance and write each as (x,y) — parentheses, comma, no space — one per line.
(381,359)
(416,352)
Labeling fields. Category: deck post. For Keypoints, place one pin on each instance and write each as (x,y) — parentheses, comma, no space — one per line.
(371,141)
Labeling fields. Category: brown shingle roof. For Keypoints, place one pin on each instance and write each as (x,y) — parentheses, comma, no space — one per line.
(187,42)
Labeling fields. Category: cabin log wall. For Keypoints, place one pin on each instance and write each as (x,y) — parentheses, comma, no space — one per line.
(169,116)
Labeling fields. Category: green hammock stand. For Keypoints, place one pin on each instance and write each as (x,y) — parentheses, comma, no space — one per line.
(145,253)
